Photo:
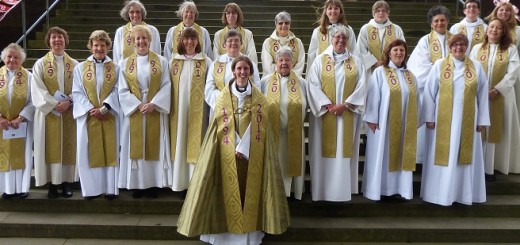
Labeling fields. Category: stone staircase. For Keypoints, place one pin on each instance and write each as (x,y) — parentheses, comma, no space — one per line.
(357,221)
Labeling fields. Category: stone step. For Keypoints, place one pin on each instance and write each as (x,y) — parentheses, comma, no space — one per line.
(74,241)
(308,229)
(169,203)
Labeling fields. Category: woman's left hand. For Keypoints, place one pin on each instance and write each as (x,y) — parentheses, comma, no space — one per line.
(147,108)
(337,109)
(16,122)
(493,93)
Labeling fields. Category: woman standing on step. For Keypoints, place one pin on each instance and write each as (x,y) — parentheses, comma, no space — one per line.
(392,118)
(282,37)
(236,193)
(430,48)
(188,13)
(505,12)
(134,13)
(188,113)
(374,36)
(16,112)
(97,115)
(286,94)
(455,109)
(472,25)
(54,126)
(233,18)
(144,95)
(499,58)
(336,96)
(332,15)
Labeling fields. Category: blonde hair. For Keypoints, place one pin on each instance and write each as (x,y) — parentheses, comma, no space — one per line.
(99,35)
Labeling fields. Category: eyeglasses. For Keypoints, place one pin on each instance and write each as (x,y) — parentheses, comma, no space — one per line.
(283,23)
(233,41)
(458,45)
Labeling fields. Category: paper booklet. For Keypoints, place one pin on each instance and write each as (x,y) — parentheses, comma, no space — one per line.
(59,96)
(20,132)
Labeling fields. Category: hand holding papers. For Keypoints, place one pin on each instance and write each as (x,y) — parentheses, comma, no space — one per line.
(60,96)
(20,132)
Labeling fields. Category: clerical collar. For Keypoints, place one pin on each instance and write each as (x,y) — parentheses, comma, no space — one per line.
(335,53)
(381,23)
(100,61)
(285,75)
(469,21)
(239,89)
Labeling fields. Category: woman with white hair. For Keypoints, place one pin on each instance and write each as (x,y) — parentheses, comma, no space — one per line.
(134,13)
(16,112)
(336,96)
(97,114)
(282,37)
(188,13)
(286,94)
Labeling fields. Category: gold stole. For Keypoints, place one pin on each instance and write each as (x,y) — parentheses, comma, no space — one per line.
(496,105)
(323,42)
(241,216)
(102,148)
(329,126)
(274,45)
(222,48)
(59,131)
(219,74)
(196,107)
(295,120)
(374,44)
(12,155)
(445,110)
(435,46)
(177,36)
(128,43)
(396,144)
(151,146)
(478,34)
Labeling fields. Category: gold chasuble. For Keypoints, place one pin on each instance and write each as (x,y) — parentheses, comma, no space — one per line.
(496,105)
(222,47)
(101,134)
(59,130)
(196,107)
(445,110)
(329,126)
(214,202)
(128,43)
(435,46)
(374,43)
(274,45)
(12,153)
(294,122)
(177,36)
(401,150)
(478,34)
(152,131)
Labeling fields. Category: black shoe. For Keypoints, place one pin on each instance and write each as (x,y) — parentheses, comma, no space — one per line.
(182,194)
(491,177)
(110,197)
(66,190)
(91,197)
(152,192)
(22,195)
(53,191)
(138,194)
(6,196)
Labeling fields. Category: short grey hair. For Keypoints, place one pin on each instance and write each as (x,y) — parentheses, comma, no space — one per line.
(340,29)
(185,6)
(14,47)
(126,9)
(282,16)
(283,51)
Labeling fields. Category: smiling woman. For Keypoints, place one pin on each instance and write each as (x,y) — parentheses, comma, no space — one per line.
(97,115)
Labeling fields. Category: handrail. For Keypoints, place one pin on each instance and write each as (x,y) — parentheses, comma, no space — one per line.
(44,15)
